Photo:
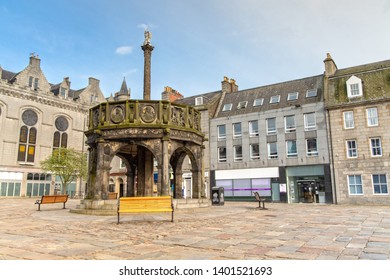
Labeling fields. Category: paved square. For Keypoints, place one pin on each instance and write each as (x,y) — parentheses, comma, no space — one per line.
(237,230)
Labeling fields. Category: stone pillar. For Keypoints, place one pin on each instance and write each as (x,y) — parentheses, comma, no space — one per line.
(165,189)
(130,182)
(102,171)
(178,183)
(147,48)
(148,162)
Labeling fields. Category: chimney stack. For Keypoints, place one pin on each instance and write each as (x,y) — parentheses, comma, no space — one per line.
(330,66)
(169,94)
(229,85)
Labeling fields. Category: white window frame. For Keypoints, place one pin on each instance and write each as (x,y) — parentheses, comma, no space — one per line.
(271,132)
(253,132)
(288,153)
(220,135)
(380,184)
(374,147)
(222,159)
(199,100)
(311,153)
(237,134)
(354,87)
(258,102)
(348,123)
(290,128)
(311,93)
(63,92)
(274,99)
(251,154)
(372,116)
(275,156)
(292,96)
(237,156)
(349,185)
(311,125)
(242,104)
(227,107)
(350,150)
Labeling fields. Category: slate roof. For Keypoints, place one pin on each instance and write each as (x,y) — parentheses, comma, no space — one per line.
(363,68)
(266,92)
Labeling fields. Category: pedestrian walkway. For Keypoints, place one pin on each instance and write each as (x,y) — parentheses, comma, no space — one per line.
(237,230)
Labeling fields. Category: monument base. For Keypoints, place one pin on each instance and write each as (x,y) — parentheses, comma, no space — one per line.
(109,207)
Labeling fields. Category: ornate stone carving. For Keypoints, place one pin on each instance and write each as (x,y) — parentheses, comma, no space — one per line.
(177,116)
(117,114)
(95,117)
(148,114)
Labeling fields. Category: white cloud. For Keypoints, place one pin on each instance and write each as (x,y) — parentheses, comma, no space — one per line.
(124,50)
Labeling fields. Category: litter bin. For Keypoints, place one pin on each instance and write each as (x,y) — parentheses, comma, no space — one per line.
(217,196)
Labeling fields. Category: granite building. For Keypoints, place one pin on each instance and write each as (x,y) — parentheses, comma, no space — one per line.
(36,117)
(357,103)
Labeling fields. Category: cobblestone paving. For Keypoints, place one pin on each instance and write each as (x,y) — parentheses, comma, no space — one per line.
(235,231)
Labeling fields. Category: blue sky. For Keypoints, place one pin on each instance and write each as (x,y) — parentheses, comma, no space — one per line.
(197,42)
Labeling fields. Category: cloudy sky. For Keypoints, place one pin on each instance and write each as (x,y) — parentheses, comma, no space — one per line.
(197,42)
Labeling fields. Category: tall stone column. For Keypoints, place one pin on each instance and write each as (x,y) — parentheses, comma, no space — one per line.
(165,168)
(147,48)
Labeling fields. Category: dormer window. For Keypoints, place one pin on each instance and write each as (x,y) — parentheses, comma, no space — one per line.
(242,105)
(63,92)
(33,82)
(199,100)
(274,99)
(354,87)
(258,102)
(292,96)
(227,107)
(311,93)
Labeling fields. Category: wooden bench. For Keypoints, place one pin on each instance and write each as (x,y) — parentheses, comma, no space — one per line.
(145,205)
(260,200)
(47,199)
(112,195)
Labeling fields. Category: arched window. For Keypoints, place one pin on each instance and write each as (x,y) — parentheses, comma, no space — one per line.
(28,137)
(60,138)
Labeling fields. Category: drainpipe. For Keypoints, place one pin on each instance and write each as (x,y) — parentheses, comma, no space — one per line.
(332,173)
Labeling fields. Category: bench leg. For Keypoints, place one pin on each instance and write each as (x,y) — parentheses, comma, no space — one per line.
(39,207)
(118,218)
(64,206)
(172,217)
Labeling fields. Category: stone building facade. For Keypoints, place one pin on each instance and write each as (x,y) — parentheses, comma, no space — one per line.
(36,117)
(358,112)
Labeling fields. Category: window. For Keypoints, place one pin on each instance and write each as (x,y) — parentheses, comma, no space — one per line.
(60,138)
(271,126)
(379,183)
(274,99)
(242,104)
(376,147)
(253,128)
(348,120)
(352,151)
(221,132)
(93,98)
(237,130)
(292,96)
(272,150)
(291,147)
(311,147)
(237,153)
(199,100)
(227,107)
(372,117)
(311,93)
(289,122)
(354,87)
(222,154)
(258,102)
(30,81)
(254,151)
(310,121)
(355,184)
(35,83)
(63,92)
(27,137)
